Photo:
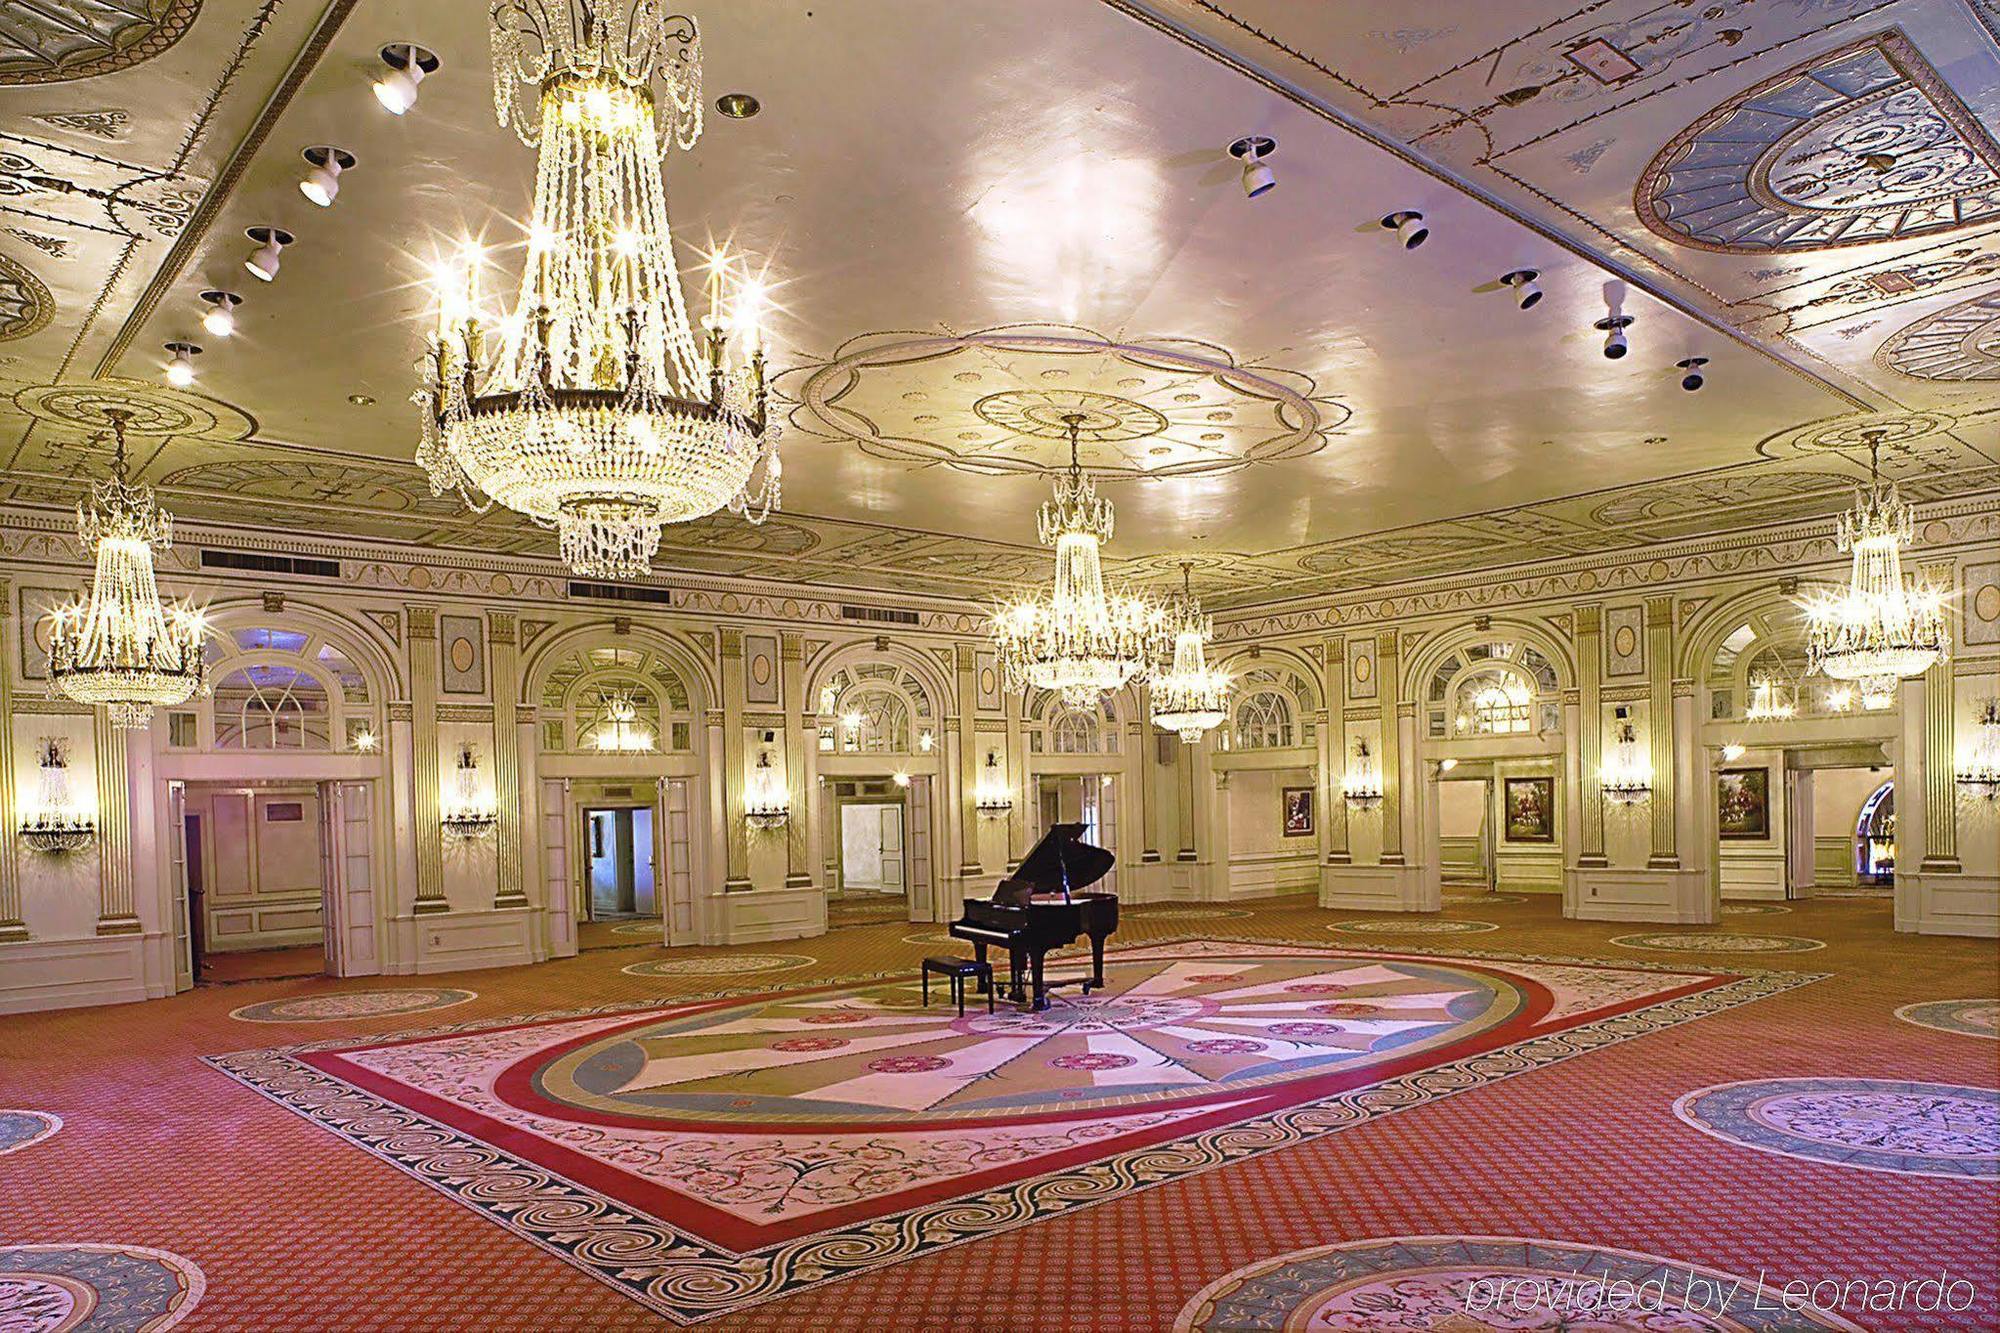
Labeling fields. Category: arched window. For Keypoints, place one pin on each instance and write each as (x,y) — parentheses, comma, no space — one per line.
(874,708)
(280,688)
(1760,672)
(1073,731)
(1264,721)
(1494,689)
(272,706)
(617,700)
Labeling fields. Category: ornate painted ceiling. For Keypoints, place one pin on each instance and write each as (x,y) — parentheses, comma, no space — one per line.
(983,215)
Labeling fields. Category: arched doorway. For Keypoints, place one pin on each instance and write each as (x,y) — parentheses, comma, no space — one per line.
(1875,840)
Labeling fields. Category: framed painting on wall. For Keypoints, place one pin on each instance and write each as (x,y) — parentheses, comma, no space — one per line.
(1743,804)
(1298,812)
(1531,809)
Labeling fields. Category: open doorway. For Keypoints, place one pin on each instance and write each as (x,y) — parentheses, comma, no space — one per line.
(1875,840)
(1849,831)
(1089,799)
(873,880)
(622,904)
(254,881)
(1465,833)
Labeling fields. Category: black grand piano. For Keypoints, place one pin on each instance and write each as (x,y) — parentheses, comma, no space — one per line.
(1041,907)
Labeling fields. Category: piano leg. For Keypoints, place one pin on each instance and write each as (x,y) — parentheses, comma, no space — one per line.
(1041,986)
(1015,969)
(979,953)
(1096,981)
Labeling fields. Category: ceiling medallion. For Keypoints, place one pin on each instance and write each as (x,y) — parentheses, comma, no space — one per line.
(1884,626)
(1079,639)
(1960,342)
(995,401)
(122,650)
(1858,145)
(1189,696)
(25,304)
(592,406)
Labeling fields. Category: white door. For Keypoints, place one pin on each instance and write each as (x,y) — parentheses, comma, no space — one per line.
(892,848)
(177,884)
(558,909)
(679,887)
(351,949)
(1107,825)
(333,910)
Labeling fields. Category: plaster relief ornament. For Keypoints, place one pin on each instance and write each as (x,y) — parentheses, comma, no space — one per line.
(122,649)
(594,407)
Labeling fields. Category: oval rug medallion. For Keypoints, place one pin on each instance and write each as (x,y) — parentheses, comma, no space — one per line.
(1753,909)
(1691,943)
(353,1004)
(1498,899)
(1971,1018)
(654,928)
(1426,926)
(1919,1129)
(1486,1283)
(56,1288)
(720,965)
(1187,913)
(20,1129)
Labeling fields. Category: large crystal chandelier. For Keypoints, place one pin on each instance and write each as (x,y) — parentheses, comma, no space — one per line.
(1884,626)
(1078,639)
(122,650)
(593,407)
(1189,696)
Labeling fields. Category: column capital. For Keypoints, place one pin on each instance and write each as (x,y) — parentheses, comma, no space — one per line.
(422,621)
(501,628)
(1589,619)
(732,643)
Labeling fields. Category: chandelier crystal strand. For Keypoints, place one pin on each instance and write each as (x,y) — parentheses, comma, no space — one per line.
(1885,625)
(1188,696)
(1079,640)
(123,650)
(594,406)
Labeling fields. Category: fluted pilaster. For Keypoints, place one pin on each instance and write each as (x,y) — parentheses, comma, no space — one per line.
(426,792)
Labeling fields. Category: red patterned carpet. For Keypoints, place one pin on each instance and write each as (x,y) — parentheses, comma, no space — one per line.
(1429,1127)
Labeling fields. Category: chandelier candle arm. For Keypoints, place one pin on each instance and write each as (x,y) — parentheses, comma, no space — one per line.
(594,407)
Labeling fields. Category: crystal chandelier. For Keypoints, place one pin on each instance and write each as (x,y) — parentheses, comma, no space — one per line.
(593,407)
(1079,640)
(1362,785)
(1626,778)
(470,814)
(123,650)
(1189,697)
(56,825)
(1979,774)
(766,804)
(620,733)
(1884,626)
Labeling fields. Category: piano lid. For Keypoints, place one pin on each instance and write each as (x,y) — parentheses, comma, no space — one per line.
(1062,862)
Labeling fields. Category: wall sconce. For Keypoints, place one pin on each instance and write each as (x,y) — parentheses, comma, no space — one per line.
(56,826)
(471,815)
(1979,774)
(991,798)
(1362,787)
(365,741)
(1627,779)
(1731,753)
(766,805)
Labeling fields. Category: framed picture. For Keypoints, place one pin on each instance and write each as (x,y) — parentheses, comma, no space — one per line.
(1298,812)
(1743,804)
(1531,809)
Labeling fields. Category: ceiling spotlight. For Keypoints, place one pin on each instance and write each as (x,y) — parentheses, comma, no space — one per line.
(1522,280)
(1409,228)
(1693,378)
(263,262)
(1614,335)
(1251,150)
(322,183)
(409,65)
(221,317)
(180,370)
(738,106)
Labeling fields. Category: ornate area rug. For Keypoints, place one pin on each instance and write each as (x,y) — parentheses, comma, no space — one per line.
(733,1148)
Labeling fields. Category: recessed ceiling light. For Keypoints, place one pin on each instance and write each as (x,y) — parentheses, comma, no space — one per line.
(322,182)
(360,400)
(738,106)
(409,65)
(180,370)
(1252,150)
(220,319)
(263,262)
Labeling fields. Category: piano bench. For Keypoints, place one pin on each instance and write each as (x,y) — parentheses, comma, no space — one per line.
(958,969)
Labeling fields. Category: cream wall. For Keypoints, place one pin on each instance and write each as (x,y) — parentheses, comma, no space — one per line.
(105,925)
